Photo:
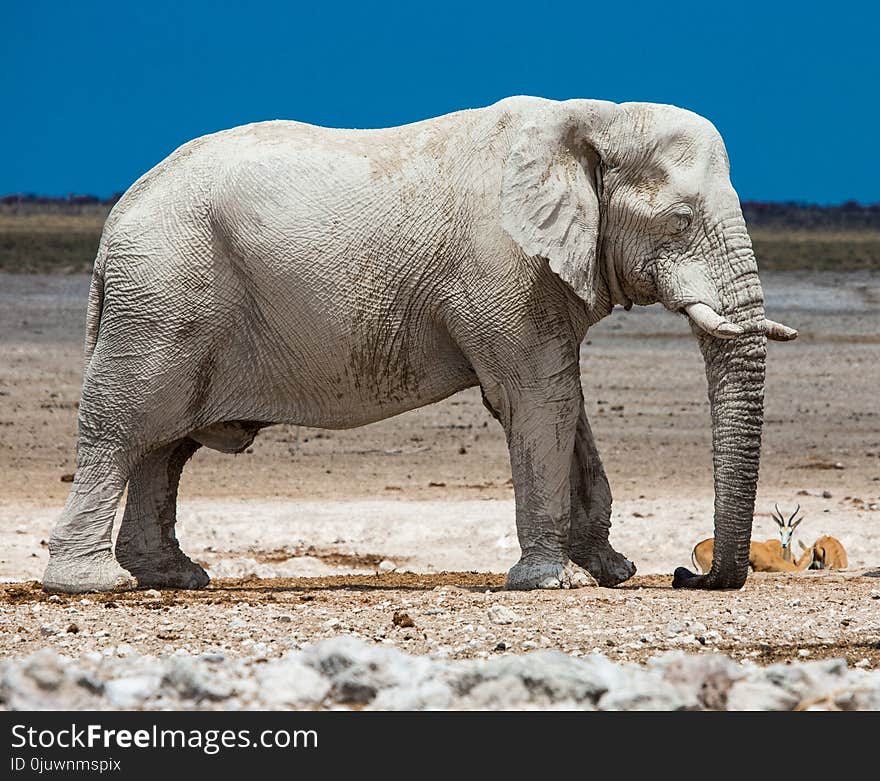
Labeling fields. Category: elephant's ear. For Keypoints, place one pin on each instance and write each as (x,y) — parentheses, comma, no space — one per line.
(550,198)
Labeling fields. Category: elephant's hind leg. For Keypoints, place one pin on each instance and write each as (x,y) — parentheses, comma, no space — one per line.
(147,545)
(591,513)
(80,548)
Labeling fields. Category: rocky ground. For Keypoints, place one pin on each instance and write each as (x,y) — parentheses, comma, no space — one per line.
(351,672)
(310,535)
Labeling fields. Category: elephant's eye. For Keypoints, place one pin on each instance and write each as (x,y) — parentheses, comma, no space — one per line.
(680,218)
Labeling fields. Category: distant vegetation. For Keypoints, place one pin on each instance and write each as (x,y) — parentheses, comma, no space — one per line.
(40,234)
(797,216)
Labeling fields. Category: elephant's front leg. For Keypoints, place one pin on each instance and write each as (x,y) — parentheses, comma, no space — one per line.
(147,545)
(591,513)
(540,423)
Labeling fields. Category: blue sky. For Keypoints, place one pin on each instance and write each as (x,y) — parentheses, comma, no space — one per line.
(95,93)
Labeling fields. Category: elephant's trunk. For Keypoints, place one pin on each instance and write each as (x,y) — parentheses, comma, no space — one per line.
(735,374)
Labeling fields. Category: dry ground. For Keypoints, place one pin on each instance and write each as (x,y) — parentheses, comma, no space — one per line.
(775,617)
(430,491)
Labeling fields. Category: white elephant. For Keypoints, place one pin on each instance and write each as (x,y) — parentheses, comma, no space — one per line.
(284,273)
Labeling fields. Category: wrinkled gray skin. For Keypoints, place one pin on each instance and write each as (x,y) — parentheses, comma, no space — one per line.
(285,273)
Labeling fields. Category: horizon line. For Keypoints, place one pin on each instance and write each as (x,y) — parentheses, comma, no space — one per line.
(74,197)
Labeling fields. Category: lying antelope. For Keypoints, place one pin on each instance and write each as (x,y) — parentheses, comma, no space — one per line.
(828,553)
(768,556)
(763,557)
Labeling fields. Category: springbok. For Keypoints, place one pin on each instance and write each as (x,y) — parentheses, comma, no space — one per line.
(828,553)
(768,556)
(763,557)
(786,529)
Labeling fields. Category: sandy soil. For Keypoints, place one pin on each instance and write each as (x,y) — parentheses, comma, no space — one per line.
(430,491)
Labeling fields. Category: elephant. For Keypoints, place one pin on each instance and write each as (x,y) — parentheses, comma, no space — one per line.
(281,272)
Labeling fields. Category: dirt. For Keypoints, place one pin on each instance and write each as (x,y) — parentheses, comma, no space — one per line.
(313,515)
(775,617)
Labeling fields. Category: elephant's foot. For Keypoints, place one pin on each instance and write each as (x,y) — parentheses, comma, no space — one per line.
(170,569)
(543,574)
(606,565)
(99,572)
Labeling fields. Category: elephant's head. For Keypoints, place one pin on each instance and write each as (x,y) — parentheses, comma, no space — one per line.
(632,203)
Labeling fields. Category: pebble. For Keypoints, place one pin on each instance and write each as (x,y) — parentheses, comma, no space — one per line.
(386,565)
(501,614)
(402,619)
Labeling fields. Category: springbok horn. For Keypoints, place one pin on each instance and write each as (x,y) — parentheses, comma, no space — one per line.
(777,516)
(779,332)
(796,510)
(711,322)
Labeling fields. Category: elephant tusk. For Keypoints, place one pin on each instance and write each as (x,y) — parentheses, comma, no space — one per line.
(779,332)
(711,322)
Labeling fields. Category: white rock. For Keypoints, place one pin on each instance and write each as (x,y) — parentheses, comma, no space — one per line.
(648,693)
(45,668)
(547,675)
(152,593)
(427,695)
(756,695)
(358,671)
(684,639)
(131,692)
(43,680)
(708,676)
(289,682)
(503,693)
(196,680)
(386,565)
(501,614)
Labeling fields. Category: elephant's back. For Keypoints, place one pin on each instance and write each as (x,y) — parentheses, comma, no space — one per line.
(281,137)
(292,157)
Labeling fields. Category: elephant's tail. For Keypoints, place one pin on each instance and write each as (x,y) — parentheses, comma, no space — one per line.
(96,303)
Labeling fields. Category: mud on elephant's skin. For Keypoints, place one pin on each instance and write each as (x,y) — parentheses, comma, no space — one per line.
(285,273)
